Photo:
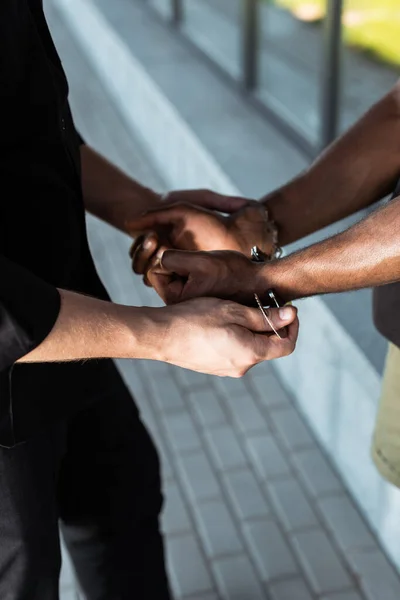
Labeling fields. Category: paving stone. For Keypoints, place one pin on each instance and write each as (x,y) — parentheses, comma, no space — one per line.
(181,431)
(175,517)
(217,529)
(191,379)
(344,596)
(225,448)
(237,580)
(270,550)
(166,466)
(292,429)
(262,370)
(198,477)
(208,408)
(189,572)
(320,562)
(233,387)
(376,576)
(246,414)
(167,395)
(270,391)
(236,576)
(149,420)
(159,370)
(245,494)
(202,597)
(316,472)
(345,523)
(295,589)
(267,457)
(291,504)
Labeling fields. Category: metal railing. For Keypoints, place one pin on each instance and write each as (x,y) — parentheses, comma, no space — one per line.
(329,84)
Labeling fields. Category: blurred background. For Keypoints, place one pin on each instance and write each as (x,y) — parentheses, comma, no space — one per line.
(271,492)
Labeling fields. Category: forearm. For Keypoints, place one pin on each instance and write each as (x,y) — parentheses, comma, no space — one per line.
(366,255)
(357,170)
(109,193)
(88,328)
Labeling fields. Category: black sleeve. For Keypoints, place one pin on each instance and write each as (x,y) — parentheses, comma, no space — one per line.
(29,308)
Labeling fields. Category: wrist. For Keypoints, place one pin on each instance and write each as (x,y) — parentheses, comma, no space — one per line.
(136,201)
(285,205)
(143,332)
(278,276)
(129,204)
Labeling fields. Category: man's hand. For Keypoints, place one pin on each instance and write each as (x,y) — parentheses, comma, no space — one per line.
(206,335)
(188,227)
(223,338)
(180,276)
(365,255)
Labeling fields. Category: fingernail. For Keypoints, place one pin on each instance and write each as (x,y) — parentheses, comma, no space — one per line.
(285,313)
(160,255)
(147,244)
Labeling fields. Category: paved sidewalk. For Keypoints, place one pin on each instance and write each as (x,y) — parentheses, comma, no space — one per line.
(254,510)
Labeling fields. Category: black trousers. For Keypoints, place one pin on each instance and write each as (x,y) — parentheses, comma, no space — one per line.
(98,475)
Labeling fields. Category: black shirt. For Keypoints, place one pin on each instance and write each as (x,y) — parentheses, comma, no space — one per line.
(43,242)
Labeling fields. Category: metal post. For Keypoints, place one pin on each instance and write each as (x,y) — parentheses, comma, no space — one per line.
(250,43)
(331,81)
(177,11)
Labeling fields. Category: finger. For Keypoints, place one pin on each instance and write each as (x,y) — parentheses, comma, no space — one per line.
(154,264)
(207,199)
(156,218)
(184,263)
(293,331)
(269,348)
(138,241)
(144,253)
(151,264)
(155,261)
(167,285)
(253,319)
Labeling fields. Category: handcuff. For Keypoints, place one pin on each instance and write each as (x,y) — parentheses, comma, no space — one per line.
(274,301)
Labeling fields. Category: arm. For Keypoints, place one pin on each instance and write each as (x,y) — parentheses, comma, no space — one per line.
(89,328)
(366,255)
(109,193)
(357,170)
(223,338)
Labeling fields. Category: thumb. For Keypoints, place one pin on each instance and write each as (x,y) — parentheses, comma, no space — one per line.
(227,204)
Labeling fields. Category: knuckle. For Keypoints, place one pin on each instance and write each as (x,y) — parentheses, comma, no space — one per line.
(233,313)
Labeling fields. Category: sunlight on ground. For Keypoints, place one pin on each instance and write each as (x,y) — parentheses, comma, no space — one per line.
(372,25)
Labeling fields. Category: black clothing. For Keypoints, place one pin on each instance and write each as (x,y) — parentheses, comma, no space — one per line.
(99,473)
(43,242)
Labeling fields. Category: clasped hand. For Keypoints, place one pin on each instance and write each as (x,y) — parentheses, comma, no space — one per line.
(210,257)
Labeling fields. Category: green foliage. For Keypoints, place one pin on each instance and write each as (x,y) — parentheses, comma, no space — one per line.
(370,25)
